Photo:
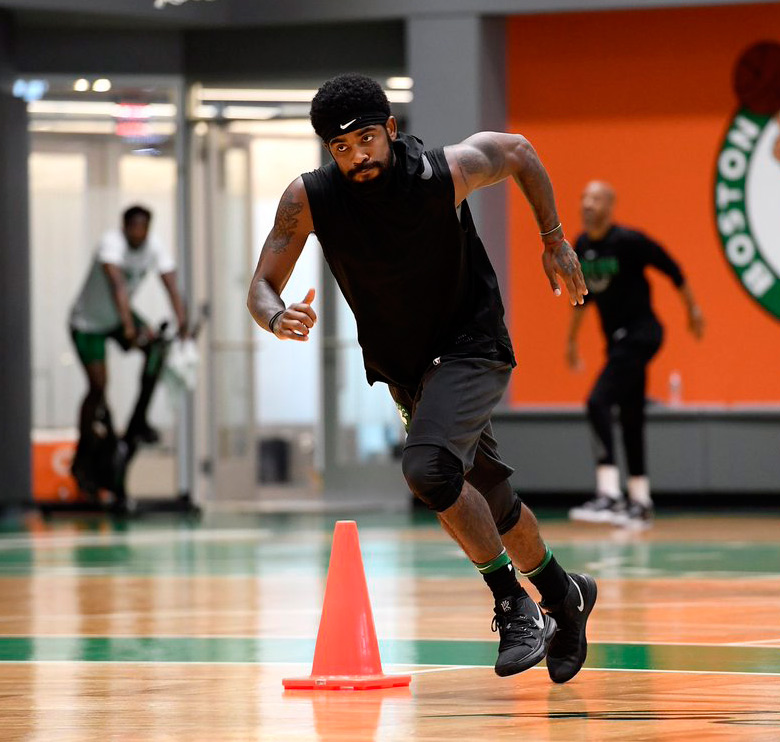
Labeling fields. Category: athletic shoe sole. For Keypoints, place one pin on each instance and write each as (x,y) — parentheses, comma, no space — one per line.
(588,516)
(513,668)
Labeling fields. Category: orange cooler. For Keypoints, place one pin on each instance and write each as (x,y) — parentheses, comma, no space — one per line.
(52,454)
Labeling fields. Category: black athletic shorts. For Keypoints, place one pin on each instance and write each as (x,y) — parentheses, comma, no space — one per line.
(451,409)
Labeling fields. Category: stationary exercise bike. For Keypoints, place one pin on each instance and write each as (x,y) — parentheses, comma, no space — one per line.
(102,462)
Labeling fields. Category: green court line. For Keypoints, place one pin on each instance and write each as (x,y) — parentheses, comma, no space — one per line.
(668,657)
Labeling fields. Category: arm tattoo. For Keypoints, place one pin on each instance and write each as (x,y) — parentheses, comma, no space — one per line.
(469,163)
(285,224)
(566,259)
(487,162)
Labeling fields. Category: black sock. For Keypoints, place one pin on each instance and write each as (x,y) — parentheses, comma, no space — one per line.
(501,578)
(550,579)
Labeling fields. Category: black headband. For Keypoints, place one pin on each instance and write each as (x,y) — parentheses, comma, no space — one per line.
(352,122)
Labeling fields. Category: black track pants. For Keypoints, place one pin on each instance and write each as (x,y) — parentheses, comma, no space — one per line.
(622,383)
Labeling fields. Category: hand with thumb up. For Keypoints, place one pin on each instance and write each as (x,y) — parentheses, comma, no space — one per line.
(295,322)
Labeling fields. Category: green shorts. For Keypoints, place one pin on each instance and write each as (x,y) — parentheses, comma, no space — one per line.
(91,346)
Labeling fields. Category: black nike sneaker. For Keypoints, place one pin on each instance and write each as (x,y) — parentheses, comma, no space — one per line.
(525,634)
(569,648)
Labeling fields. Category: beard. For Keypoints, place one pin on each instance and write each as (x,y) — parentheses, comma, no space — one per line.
(377,185)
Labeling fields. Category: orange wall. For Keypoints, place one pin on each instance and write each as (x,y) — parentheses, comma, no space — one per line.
(641,99)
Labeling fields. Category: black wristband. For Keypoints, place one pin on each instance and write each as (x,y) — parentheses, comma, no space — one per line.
(273,319)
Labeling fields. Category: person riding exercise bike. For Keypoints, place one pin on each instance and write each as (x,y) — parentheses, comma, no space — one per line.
(102,310)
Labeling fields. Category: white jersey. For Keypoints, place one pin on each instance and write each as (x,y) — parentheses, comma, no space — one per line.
(95,309)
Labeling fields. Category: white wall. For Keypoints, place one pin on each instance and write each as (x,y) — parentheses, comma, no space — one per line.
(58,265)
(287,374)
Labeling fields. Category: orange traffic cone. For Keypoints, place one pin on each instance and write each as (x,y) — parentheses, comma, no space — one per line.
(346,656)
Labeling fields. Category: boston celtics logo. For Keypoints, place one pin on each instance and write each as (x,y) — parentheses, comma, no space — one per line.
(747,183)
(598,272)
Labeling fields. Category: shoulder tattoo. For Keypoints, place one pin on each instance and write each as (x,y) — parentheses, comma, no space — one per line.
(487,161)
(286,223)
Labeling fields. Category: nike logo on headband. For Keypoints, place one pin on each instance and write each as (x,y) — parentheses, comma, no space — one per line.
(349,123)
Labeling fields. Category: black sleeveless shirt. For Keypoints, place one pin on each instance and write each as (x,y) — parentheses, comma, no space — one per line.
(410,265)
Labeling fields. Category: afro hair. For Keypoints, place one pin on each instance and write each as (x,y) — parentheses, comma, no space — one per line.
(344,96)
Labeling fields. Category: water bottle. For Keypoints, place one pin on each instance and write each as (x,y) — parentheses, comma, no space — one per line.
(675,389)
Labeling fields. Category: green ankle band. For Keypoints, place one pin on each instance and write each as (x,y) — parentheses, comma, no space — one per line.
(547,556)
(500,561)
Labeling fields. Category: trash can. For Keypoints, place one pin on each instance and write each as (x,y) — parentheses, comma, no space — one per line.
(273,461)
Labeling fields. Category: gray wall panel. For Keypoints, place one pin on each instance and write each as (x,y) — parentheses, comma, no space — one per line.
(491,87)
(458,65)
(223,13)
(677,456)
(190,13)
(269,11)
(547,455)
(6,43)
(256,54)
(108,51)
(689,451)
(301,53)
(444,58)
(742,452)
(15,361)
(458,68)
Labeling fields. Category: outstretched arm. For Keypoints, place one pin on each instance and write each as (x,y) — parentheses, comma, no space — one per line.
(658,257)
(695,317)
(281,251)
(487,158)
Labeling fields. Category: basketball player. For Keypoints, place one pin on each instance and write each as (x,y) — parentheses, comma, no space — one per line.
(613,260)
(398,236)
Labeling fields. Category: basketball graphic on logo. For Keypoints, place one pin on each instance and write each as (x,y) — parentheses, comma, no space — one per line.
(757,78)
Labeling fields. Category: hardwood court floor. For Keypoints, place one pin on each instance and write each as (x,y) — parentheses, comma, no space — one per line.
(170,630)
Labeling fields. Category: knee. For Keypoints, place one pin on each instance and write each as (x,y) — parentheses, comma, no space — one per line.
(434,475)
(597,403)
(505,506)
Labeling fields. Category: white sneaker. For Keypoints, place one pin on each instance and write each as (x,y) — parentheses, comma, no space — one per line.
(600,509)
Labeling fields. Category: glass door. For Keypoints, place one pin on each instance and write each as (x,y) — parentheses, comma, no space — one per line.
(97,147)
(258,410)
(289,424)
(363,433)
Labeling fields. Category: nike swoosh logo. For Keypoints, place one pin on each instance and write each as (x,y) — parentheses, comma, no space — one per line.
(539,621)
(349,123)
(581,606)
(427,172)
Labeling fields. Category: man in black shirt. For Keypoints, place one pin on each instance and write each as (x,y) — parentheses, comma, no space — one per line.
(613,261)
(398,236)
